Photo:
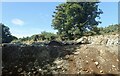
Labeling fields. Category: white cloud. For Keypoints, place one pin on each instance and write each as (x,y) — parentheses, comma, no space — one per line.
(17,21)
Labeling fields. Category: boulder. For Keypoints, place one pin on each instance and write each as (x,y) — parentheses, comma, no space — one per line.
(83,40)
(55,43)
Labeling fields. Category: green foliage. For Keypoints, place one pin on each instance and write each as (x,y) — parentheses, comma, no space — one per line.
(44,36)
(6,35)
(110,29)
(73,19)
(48,35)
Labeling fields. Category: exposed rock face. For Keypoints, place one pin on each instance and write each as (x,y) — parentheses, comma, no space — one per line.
(101,39)
(108,39)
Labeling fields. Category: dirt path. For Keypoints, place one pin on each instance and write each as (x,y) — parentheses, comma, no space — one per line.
(72,65)
(94,58)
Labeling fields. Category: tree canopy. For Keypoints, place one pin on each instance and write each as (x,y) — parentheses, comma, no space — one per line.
(73,19)
(44,36)
(6,35)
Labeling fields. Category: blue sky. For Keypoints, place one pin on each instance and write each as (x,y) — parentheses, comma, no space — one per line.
(28,18)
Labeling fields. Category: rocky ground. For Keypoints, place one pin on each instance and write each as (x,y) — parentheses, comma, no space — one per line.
(92,59)
(80,59)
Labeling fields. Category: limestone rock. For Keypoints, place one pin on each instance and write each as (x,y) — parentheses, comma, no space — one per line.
(82,40)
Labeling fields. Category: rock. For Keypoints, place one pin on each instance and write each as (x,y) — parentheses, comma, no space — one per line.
(52,68)
(20,69)
(101,71)
(82,40)
(45,71)
(58,67)
(54,72)
(67,57)
(117,60)
(76,53)
(113,66)
(68,43)
(39,69)
(84,69)
(104,39)
(58,62)
(110,42)
(87,71)
(55,43)
(86,62)
(98,67)
(92,60)
(96,57)
(96,63)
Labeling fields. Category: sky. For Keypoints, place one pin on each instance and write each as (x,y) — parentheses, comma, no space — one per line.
(29,18)
(57,0)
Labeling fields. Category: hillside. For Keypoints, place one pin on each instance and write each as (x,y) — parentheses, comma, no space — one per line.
(60,38)
(93,58)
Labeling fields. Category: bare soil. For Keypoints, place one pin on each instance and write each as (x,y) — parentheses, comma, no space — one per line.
(100,59)
(70,59)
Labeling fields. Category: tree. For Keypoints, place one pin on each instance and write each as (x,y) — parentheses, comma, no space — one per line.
(6,35)
(73,19)
(48,35)
(110,29)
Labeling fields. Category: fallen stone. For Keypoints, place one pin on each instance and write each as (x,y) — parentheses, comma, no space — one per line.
(113,66)
(101,71)
(58,67)
(58,62)
(76,53)
(82,40)
(96,63)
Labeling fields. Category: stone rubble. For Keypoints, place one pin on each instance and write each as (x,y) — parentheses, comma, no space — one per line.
(100,39)
(100,56)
